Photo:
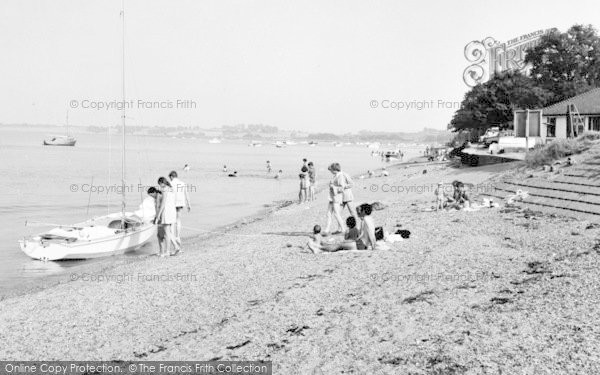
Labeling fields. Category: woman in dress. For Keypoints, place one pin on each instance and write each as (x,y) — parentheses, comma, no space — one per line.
(335,200)
(166,217)
(344,184)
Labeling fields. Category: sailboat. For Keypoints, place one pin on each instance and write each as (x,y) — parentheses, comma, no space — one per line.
(61,140)
(102,236)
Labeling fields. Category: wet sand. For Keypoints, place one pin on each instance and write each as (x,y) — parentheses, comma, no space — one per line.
(503,290)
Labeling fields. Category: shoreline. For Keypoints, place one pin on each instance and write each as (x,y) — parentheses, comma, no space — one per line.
(466,291)
(44,282)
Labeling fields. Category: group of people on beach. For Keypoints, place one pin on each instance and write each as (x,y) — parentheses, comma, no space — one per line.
(163,206)
(358,229)
(308,181)
(459,199)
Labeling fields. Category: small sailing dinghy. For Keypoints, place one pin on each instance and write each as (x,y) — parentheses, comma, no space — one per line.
(99,237)
(61,140)
(102,236)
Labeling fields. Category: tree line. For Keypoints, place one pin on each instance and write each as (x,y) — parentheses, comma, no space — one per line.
(562,65)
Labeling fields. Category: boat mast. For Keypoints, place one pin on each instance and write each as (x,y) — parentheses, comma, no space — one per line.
(123,118)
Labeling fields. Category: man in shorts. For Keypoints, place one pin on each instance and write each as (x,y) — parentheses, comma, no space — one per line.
(182,200)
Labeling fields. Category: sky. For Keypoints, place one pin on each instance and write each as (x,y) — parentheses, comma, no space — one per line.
(312,65)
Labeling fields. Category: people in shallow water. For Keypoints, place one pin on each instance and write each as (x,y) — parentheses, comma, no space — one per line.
(279,173)
(186,167)
(225,168)
(234,174)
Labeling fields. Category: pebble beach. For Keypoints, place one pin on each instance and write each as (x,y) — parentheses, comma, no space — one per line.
(505,290)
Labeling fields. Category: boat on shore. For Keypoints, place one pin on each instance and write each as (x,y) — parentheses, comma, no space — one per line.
(103,236)
(60,140)
(98,237)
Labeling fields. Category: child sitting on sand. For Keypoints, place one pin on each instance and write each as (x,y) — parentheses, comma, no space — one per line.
(461,198)
(316,243)
(353,233)
(443,200)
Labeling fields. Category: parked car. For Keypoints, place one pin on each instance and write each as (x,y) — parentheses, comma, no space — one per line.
(492,135)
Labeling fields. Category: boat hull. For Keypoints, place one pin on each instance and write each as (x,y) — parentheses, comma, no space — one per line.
(60,142)
(116,244)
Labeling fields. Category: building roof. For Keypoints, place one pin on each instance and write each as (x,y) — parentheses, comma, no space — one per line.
(587,103)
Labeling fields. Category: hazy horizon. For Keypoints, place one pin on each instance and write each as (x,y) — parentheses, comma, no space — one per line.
(305,66)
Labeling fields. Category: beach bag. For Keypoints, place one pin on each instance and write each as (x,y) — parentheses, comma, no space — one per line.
(404,233)
(379,233)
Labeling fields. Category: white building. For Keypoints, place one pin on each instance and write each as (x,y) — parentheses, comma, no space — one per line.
(553,122)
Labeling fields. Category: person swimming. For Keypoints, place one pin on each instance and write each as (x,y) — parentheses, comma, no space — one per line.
(279,173)
(234,174)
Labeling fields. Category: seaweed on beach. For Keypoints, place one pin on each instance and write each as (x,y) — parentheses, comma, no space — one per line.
(296,330)
(421,297)
(233,347)
(536,268)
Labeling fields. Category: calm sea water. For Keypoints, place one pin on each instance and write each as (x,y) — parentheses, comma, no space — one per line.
(65,185)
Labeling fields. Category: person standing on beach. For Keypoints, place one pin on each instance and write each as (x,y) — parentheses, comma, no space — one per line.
(304,182)
(335,201)
(182,200)
(312,177)
(269,169)
(147,211)
(343,182)
(166,218)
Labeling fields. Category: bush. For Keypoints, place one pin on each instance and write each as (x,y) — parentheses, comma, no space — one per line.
(589,136)
(559,149)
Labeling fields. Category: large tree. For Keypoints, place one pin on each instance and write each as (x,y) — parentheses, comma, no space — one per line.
(568,63)
(493,102)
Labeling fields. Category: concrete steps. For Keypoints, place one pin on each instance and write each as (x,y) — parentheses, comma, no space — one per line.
(574,191)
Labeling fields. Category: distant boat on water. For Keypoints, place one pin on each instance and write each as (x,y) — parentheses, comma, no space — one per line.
(215,140)
(312,143)
(60,140)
